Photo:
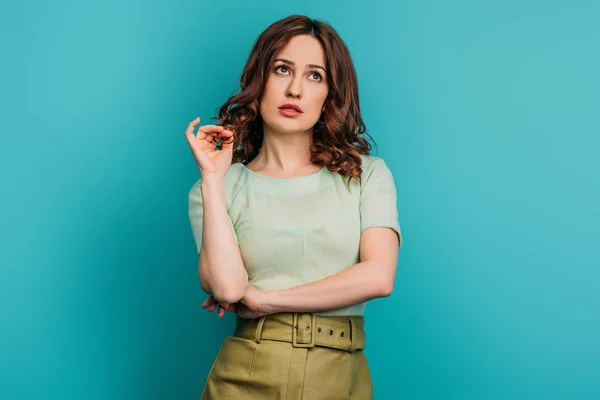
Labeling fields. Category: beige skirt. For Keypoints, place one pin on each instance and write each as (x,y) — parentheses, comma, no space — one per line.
(292,356)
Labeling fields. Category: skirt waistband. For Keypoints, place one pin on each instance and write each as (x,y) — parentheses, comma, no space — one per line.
(306,330)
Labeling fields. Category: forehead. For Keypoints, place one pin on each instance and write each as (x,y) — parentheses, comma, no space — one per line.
(302,50)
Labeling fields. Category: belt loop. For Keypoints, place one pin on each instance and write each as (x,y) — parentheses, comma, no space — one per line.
(259,328)
(352,335)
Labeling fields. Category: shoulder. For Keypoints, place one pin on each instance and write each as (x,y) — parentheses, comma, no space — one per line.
(369,162)
(372,168)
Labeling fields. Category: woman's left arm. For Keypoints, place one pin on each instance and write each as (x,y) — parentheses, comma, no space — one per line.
(372,277)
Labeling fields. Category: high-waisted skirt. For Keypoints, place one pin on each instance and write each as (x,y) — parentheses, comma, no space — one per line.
(292,356)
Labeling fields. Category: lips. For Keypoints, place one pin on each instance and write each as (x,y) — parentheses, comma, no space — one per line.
(292,107)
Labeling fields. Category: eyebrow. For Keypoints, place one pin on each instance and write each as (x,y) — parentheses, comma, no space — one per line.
(292,63)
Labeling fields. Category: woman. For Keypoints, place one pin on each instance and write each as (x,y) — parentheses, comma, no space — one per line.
(295,223)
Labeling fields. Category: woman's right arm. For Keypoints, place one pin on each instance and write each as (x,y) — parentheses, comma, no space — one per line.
(220,265)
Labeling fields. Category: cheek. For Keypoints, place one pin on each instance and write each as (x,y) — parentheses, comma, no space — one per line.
(318,99)
(271,93)
(266,99)
(267,92)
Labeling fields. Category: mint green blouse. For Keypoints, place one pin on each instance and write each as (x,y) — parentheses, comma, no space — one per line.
(294,231)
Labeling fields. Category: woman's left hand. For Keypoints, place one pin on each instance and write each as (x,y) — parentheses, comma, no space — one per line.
(250,306)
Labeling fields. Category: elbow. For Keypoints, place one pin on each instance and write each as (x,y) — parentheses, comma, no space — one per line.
(232,291)
(226,292)
(229,295)
(385,288)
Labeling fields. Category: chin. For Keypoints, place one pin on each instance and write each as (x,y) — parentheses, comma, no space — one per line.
(289,125)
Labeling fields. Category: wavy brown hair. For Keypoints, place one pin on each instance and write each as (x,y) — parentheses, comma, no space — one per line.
(339,141)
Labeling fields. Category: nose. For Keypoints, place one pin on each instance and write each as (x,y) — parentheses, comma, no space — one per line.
(294,89)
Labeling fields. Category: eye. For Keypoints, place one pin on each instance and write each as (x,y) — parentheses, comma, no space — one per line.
(318,75)
(284,67)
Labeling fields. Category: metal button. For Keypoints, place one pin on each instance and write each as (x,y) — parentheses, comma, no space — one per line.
(307,328)
(342,334)
(331,332)
(319,330)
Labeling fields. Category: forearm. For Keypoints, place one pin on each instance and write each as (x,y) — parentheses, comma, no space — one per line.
(359,283)
(220,266)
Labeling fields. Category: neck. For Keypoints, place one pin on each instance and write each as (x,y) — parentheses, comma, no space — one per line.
(286,152)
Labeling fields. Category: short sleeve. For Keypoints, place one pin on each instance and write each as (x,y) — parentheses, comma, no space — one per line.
(378,198)
(196,214)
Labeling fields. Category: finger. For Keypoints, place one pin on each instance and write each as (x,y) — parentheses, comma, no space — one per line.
(210,300)
(211,128)
(223,306)
(208,131)
(194,145)
(212,307)
(226,133)
(221,311)
(190,128)
(228,307)
(227,137)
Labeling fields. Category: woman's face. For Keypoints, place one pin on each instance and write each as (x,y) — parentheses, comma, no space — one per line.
(297,77)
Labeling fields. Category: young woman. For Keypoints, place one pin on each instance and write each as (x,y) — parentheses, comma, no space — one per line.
(295,223)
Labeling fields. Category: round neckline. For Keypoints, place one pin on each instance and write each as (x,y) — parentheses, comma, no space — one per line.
(292,179)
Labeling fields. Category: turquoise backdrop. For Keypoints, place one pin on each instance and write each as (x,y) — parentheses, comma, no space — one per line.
(486,111)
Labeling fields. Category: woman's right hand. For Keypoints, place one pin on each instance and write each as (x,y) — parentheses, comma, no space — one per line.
(202,144)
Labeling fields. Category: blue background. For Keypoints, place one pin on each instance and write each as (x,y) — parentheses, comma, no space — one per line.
(487,113)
